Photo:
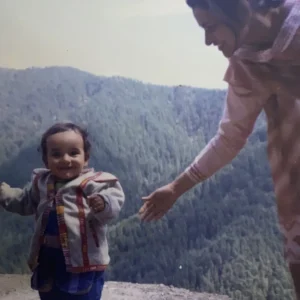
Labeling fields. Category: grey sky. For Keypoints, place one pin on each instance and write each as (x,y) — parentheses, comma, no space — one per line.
(155,41)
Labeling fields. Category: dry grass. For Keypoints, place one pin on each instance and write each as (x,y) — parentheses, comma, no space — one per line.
(13,283)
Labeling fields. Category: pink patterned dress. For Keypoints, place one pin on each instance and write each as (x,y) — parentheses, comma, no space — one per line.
(266,80)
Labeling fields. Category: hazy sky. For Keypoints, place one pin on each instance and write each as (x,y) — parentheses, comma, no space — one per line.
(155,41)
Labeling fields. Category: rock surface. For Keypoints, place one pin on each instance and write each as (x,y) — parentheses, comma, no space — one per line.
(15,287)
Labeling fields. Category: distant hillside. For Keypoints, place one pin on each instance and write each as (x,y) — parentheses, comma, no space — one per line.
(221,237)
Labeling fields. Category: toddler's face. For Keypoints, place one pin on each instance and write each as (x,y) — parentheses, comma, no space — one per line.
(65,154)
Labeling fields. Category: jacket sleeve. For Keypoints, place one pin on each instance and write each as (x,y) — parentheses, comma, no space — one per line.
(21,201)
(112,193)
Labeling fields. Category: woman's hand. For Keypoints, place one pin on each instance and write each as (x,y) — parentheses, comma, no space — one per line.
(158,203)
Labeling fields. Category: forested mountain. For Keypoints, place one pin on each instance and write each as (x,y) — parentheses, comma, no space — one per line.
(221,237)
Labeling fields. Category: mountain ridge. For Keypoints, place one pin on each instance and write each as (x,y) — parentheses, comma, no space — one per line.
(106,77)
(223,233)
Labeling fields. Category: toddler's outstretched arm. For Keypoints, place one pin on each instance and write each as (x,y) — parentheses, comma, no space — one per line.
(21,201)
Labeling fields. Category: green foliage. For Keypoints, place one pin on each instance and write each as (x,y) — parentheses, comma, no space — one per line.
(220,237)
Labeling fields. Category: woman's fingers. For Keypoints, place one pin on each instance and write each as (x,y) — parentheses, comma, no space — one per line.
(147,198)
(156,204)
(148,215)
(147,211)
(159,215)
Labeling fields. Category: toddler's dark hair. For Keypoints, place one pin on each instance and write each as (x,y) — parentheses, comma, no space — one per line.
(62,127)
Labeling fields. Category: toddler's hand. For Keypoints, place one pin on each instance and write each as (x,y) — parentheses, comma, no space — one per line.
(3,189)
(97,203)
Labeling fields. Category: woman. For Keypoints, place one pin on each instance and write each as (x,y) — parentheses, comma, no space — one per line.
(261,39)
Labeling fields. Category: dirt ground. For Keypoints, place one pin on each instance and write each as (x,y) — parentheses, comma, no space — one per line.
(16,287)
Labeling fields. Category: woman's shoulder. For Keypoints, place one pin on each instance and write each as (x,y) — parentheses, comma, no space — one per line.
(285,46)
(243,73)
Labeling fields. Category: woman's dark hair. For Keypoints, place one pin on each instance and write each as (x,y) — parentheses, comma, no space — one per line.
(229,7)
(62,127)
(235,13)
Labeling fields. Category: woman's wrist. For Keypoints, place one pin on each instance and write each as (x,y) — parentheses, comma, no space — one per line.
(182,184)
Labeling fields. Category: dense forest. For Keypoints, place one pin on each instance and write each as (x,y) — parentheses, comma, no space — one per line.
(221,237)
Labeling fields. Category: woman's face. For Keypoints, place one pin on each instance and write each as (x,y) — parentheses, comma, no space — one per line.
(216,32)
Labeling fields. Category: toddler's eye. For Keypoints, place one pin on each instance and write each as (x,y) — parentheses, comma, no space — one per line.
(74,153)
(55,154)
